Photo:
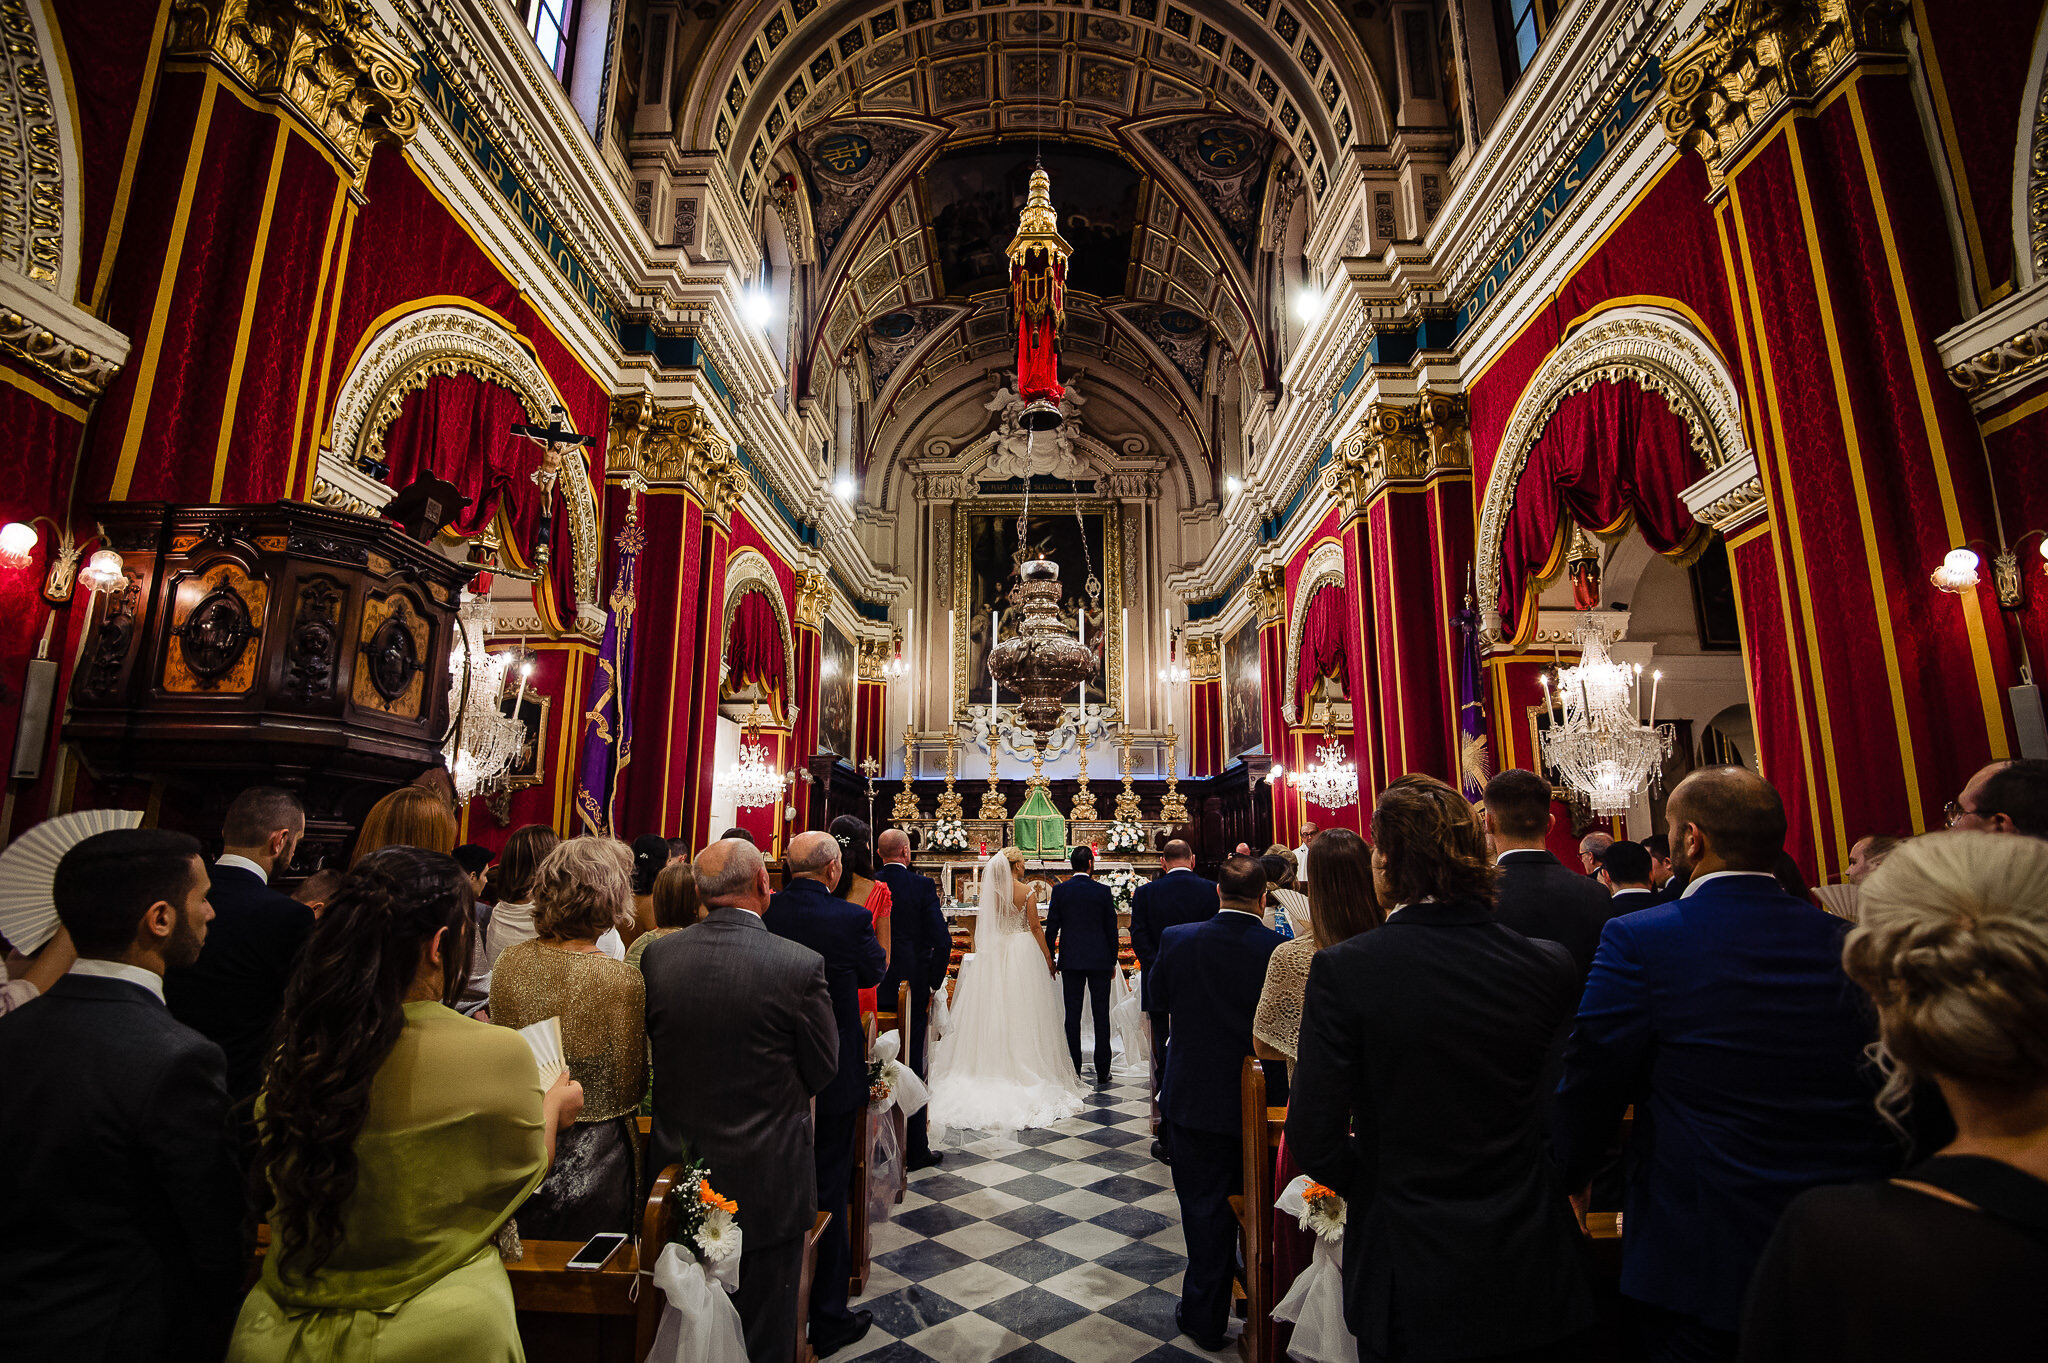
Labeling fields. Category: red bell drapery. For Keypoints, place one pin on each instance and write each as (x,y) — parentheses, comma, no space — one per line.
(1609,455)
(753,650)
(1322,640)
(459,428)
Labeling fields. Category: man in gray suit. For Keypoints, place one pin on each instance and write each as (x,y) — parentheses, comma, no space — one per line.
(740,1023)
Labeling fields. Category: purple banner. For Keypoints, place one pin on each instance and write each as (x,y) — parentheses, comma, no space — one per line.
(608,723)
(1475,762)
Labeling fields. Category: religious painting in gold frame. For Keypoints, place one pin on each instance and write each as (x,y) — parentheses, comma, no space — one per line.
(529,767)
(985,560)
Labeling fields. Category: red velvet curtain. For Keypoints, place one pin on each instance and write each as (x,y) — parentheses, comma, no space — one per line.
(1611,453)
(753,653)
(1322,641)
(458,428)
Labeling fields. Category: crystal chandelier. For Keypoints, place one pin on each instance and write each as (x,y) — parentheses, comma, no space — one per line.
(1596,740)
(753,779)
(483,741)
(1330,782)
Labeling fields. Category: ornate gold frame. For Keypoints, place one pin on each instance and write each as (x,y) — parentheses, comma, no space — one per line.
(1110,570)
(539,774)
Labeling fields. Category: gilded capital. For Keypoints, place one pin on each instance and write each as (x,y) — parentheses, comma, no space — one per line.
(674,443)
(813,597)
(1446,426)
(326,59)
(1756,57)
(1389,444)
(1205,658)
(1270,584)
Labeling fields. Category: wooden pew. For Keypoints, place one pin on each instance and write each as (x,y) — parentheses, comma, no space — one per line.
(570,1313)
(804,1352)
(1260,1130)
(857,1203)
(899,1023)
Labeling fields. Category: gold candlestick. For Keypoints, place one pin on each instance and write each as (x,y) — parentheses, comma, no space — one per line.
(993,805)
(1084,799)
(1173,806)
(950,806)
(906,810)
(1127,810)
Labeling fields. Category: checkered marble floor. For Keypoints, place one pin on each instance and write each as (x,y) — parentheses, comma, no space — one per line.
(1061,1247)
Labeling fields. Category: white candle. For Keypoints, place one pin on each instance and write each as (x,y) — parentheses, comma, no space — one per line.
(994,624)
(1124,633)
(1655,677)
(525,671)
(909,652)
(952,625)
(1081,691)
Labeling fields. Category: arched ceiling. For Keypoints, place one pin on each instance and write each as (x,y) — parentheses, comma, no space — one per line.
(893,141)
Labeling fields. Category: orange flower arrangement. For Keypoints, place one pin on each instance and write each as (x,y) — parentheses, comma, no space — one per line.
(707,1195)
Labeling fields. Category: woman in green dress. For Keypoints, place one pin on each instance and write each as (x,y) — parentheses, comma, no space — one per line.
(397,1136)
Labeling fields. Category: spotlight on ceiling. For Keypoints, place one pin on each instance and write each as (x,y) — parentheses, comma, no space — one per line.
(844,487)
(759,309)
(1232,486)
(1308,304)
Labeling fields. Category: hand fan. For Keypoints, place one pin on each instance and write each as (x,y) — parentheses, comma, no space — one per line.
(28,872)
(545,1037)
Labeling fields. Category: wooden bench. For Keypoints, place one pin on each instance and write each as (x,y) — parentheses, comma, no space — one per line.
(1260,1130)
(857,1195)
(899,1023)
(605,1313)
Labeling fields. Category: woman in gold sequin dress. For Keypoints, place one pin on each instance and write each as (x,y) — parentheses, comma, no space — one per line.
(397,1137)
(582,890)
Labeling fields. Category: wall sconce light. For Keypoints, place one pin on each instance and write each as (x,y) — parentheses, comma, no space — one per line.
(1275,774)
(1957,573)
(2005,570)
(17,542)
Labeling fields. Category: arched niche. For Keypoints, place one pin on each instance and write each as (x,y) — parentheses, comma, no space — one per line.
(443,340)
(748,570)
(1324,568)
(1654,350)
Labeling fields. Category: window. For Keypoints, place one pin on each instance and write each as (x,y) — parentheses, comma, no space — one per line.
(1521,25)
(551,23)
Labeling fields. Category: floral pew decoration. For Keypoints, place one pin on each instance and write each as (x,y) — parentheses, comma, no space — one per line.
(699,1324)
(891,1083)
(1314,1305)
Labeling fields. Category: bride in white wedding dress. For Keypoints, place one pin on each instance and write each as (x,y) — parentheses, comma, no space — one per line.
(1002,1065)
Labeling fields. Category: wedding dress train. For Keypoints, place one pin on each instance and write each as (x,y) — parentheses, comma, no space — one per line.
(1002,1065)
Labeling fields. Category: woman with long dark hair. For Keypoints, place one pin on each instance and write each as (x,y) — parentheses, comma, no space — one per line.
(857,883)
(396,1135)
(650,858)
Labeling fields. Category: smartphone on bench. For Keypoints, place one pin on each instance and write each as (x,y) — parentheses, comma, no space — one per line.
(597,1249)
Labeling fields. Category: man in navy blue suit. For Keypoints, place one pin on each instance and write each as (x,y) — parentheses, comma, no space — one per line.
(920,946)
(1080,929)
(808,913)
(1177,896)
(1209,975)
(1725,1018)
(233,993)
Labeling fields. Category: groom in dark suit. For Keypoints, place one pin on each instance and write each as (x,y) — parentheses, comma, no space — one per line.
(807,912)
(1208,981)
(1080,929)
(742,1035)
(920,947)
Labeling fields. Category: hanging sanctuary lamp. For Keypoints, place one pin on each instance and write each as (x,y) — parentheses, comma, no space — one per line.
(1038,290)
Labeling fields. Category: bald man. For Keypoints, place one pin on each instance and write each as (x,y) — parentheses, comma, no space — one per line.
(742,1035)
(2004,797)
(808,913)
(920,948)
(1725,1018)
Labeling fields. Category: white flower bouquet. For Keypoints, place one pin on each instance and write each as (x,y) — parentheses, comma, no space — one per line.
(1123,884)
(1124,836)
(1314,1305)
(949,835)
(699,1323)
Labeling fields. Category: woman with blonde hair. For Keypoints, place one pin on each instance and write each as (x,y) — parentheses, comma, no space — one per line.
(1947,1259)
(582,890)
(411,816)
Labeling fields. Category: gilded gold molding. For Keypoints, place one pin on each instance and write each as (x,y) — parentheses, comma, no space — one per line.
(813,597)
(660,441)
(1270,584)
(1757,56)
(1325,567)
(1205,658)
(1390,443)
(31,165)
(68,362)
(326,59)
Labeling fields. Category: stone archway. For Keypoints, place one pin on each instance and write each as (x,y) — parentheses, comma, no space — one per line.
(1324,568)
(397,362)
(1656,350)
(748,570)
